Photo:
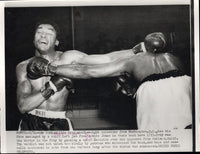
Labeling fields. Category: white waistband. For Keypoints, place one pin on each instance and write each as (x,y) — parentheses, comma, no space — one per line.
(48,114)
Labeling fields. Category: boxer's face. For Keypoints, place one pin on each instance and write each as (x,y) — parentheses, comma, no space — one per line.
(45,38)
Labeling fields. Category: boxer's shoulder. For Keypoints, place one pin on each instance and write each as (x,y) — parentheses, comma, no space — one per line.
(72,55)
(23,64)
(166,55)
(73,52)
(21,68)
(169,57)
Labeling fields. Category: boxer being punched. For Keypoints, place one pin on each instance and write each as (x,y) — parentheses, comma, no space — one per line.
(164,95)
(41,110)
(42,97)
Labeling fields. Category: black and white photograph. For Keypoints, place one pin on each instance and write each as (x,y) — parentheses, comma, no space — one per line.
(107,73)
(99,68)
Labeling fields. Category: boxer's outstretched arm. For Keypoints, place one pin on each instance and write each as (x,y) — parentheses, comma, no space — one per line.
(27,100)
(78,71)
(112,56)
(105,58)
(78,57)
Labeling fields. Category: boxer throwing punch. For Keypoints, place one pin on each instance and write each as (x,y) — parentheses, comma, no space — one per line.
(42,97)
(164,95)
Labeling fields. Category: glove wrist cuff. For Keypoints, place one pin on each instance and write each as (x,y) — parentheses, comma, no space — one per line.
(54,88)
(52,69)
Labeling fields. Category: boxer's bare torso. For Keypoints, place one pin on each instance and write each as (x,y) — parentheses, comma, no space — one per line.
(145,64)
(28,87)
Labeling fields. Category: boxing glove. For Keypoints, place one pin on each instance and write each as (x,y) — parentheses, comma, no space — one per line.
(155,42)
(39,67)
(56,83)
(124,84)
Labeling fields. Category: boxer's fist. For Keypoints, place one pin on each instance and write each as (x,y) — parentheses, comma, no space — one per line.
(56,84)
(124,84)
(155,42)
(60,82)
(38,67)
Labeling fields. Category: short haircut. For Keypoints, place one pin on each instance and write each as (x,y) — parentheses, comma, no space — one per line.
(49,22)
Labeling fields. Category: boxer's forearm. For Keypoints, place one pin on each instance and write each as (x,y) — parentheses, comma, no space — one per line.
(29,102)
(77,71)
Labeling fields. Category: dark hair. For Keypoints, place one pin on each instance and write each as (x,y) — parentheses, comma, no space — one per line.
(50,22)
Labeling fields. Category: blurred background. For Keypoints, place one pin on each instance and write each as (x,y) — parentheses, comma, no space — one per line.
(94,30)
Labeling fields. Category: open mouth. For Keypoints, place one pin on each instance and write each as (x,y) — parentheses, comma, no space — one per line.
(43,42)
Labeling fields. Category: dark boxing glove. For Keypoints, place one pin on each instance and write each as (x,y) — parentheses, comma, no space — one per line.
(155,42)
(39,67)
(56,83)
(124,84)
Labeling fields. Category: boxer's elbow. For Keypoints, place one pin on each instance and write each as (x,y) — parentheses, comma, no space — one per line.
(21,107)
(21,110)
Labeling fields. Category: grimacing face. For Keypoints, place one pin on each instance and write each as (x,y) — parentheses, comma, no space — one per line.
(45,38)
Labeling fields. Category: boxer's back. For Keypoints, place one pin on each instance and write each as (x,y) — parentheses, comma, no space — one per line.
(145,64)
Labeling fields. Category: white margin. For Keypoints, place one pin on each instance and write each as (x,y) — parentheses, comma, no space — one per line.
(93,2)
(2,78)
(33,3)
(197,67)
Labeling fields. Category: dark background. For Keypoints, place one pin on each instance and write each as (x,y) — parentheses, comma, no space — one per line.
(99,29)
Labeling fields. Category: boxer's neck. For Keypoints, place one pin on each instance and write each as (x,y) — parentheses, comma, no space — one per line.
(49,56)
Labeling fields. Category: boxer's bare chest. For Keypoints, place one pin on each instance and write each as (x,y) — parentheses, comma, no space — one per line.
(57,101)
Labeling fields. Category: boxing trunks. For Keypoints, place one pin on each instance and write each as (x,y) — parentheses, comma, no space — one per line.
(164,101)
(39,119)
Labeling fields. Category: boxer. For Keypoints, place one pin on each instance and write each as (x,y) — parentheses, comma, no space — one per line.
(41,110)
(164,95)
(41,98)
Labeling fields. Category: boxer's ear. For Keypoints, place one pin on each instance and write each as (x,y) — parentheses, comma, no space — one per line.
(57,42)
